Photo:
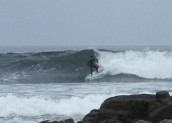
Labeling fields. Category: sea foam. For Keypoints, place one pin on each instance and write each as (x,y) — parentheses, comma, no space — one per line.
(34,106)
(146,64)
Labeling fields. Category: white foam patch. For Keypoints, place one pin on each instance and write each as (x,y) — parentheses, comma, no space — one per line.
(34,106)
(16,120)
(11,77)
(146,64)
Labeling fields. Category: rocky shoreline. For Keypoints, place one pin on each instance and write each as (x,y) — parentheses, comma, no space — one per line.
(142,108)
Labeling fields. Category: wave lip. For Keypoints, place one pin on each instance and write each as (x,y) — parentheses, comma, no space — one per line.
(144,64)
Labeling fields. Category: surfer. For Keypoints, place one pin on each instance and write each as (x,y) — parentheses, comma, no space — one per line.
(93,63)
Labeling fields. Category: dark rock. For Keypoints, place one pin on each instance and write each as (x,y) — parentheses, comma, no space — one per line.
(91,117)
(47,121)
(79,122)
(132,108)
(160,96)
(127,108)
(64,121)
(163,112)
(111,121)
(67,121)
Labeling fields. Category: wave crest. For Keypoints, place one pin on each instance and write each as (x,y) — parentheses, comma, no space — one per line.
(70,66)
(145,64)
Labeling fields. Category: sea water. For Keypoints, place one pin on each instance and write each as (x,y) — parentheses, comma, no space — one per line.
(49,83)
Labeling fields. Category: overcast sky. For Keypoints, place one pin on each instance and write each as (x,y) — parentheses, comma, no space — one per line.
(85,22)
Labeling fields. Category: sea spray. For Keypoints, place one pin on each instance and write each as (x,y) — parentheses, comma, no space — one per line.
(145,64)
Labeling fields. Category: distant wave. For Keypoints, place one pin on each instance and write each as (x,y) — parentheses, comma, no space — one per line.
(70,66)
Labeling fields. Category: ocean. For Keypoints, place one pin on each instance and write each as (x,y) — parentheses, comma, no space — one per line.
(49,83)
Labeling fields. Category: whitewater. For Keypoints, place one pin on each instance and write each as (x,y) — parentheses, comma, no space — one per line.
(145,64)
(36,86)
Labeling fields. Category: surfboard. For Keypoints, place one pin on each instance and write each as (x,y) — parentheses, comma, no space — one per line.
(95,75)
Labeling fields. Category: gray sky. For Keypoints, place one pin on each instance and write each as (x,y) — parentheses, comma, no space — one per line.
(85,22)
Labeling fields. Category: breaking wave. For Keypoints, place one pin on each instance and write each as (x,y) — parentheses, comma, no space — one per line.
(35,106)
(70,66)
(145,64)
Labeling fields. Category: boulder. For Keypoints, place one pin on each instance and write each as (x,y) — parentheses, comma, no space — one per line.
(47,121)
(64,121)
(70,120)
(91,117)
(162,95)
(143,108)
(79,122)
(111,121)
(162,112)
(127,108)
(132,108)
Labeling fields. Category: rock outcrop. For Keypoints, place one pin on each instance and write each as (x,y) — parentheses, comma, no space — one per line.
(65,121)
(132,109)
(143,108)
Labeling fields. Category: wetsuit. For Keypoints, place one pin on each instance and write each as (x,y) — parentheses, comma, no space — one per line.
(92,63)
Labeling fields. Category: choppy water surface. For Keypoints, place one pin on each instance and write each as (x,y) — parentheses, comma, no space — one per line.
(36,102)
(36,86)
